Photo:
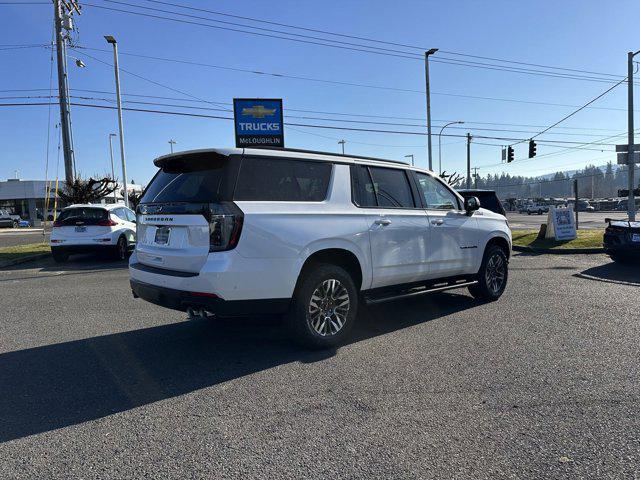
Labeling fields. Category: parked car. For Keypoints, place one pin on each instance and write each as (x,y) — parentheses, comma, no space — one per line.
(488,199)
(9,220)
(623,205)
(307,234)
(622,239)
(537,209)
(93,228)
(583,206)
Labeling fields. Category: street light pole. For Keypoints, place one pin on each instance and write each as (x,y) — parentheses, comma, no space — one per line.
(342,142)
(631,165)
(172,142)
(428,91)
(440,144)
(113,172)
(113,42)
(410,155)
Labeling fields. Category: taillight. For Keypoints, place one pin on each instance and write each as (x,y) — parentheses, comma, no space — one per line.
(225,225)
(107,223)
(614,229)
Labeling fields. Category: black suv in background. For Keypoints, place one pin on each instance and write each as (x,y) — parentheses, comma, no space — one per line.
(488,199)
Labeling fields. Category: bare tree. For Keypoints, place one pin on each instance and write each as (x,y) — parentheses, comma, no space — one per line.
(87,191)
(454,179)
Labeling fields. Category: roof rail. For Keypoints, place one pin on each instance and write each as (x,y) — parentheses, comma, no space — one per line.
(300,150)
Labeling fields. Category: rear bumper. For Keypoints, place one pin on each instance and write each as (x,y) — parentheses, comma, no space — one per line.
(70,249)
(620,244)
(182,300)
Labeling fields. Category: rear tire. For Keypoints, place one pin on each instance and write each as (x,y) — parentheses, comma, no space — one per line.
(121,249)
(15,224)
(324,307)
(58,256)
(492,276)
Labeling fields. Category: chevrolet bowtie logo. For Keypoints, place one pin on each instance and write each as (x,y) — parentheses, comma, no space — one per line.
(259,111)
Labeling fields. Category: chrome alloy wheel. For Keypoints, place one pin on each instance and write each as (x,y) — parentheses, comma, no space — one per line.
(496,273)
(328,308)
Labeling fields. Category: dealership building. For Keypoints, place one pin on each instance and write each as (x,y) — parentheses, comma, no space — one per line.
(27,197)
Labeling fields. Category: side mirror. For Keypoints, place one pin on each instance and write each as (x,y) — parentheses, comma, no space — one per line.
(471,204)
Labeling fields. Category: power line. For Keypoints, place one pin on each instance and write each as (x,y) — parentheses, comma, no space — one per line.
(329,127)
(340,45)
(374,40)
(579,109)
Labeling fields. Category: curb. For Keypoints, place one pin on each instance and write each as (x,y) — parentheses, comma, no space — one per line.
(25,259)
(558,251)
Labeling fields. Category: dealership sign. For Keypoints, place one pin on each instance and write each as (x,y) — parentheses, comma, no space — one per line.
(258,122)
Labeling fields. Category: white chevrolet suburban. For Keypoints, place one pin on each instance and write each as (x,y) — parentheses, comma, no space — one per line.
(228,232)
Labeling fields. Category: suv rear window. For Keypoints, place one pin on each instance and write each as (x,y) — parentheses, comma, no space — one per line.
(195,177)
(282,180)
(84,215)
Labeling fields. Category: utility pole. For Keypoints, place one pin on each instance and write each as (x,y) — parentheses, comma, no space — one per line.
(113,172)
(410,155)
(428,91)
(468,160)
(172,142)
(631,164)
(475,177)
(113,42)
(342,142)
(63,86)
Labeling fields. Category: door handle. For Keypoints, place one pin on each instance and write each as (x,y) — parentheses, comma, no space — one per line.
(383,221)
(437,222)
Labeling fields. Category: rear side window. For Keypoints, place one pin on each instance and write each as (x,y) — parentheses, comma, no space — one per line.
(282,180)
(383,187)
(83,215)
(490,202)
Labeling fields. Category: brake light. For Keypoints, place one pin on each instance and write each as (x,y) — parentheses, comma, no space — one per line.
(614,229)
(225,226)
(107,223)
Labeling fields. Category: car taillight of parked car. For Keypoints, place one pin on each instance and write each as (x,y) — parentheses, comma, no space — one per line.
(614,229)
(225,225)
(107,223)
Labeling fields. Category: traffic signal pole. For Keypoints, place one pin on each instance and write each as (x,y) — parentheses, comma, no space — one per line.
(631,165)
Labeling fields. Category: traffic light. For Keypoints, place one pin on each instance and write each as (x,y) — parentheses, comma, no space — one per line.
(509,154)
(532,148)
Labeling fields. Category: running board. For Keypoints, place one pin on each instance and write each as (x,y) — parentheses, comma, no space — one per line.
(413,292)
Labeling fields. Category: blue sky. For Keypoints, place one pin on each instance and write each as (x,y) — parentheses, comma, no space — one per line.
(572,34)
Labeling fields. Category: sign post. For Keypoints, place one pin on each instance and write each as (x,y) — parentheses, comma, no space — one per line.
(258,122)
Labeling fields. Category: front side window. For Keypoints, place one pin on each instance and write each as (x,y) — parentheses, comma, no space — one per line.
(282,180)
(436,195)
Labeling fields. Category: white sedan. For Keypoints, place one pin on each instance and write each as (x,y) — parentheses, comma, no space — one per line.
(93,228)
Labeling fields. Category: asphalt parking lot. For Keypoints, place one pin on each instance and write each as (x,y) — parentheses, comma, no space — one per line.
(586,220)
(541,384)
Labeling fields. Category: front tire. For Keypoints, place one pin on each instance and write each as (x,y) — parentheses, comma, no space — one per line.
(324,307)
(492,276)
